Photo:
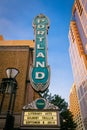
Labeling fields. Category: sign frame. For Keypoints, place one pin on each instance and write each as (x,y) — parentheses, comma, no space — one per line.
(40,70)
(41,126)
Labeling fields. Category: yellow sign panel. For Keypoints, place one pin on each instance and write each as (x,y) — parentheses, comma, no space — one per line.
(40,118)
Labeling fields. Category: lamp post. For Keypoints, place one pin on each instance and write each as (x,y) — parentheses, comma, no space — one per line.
(9,86)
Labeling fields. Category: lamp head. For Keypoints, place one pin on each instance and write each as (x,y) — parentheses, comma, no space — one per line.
(12,72)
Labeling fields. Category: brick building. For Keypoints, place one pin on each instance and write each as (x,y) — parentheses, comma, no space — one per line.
(16,54)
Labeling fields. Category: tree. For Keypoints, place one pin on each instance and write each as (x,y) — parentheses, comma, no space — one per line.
(66,120)
(58,101)
(66,117)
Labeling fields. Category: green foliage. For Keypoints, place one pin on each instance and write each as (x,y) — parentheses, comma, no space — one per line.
(58,101)
(66,117)
(66,120)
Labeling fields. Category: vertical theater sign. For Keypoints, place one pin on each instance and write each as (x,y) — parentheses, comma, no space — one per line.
(40,114)
(40,71)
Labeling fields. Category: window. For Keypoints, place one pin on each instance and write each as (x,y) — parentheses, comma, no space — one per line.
(80,9)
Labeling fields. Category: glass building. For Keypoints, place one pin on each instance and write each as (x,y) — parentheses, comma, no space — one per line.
(78,53)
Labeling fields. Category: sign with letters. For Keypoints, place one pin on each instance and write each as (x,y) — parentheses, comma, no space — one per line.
(40,70)
(35,118)
(40,114)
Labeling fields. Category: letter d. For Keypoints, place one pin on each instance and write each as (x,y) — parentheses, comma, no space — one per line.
(39,75)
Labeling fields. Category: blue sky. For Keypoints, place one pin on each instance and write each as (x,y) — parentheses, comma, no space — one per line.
(16,18)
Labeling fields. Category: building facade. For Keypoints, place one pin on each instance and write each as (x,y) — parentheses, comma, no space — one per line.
(78,53)
(74,108)
(16,54)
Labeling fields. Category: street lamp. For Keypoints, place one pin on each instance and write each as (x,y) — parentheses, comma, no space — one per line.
(9,86)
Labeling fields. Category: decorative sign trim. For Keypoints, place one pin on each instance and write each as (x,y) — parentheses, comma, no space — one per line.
(48,105)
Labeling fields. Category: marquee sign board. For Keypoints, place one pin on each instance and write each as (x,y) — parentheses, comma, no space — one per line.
(40,118)
(40,114)
(40,71)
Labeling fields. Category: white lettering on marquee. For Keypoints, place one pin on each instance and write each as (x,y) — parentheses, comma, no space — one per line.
(40,64)
(39,75)
(40,20)
(40,35)
(40,32)
(41,38)
(39,47)
(40,26)
(40,54)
